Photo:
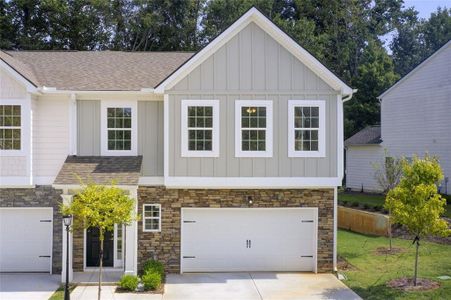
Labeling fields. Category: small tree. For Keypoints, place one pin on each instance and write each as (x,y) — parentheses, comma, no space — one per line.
(416,204)
(387,176)
(98,206)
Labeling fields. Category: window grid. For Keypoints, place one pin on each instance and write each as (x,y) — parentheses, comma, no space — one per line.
(151,217)
(200,128)
(10,127)
(119,127)
(306,128)
(253,128)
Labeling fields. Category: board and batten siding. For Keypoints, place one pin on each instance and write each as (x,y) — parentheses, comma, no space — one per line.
(416,114)
(150,137)
(360,167)
(150,133)
(88,133)
(252,65)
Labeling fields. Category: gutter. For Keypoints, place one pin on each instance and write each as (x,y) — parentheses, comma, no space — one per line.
(347,98)
(53,90)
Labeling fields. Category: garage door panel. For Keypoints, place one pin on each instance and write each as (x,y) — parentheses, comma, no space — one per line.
(215,240)
(25,239)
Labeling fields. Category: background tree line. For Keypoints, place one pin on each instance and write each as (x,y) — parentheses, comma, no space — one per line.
(344,34)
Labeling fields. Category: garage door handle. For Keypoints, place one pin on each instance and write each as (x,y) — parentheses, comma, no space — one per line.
(307,221)
(48,256)
(248,244)
(45,221)
(310,256)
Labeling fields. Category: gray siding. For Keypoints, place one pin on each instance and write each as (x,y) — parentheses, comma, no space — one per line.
(150,137)
(360,171)
(252,65)
(415,115)
(88,122)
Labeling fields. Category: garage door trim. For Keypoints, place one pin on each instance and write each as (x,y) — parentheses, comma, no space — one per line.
(51,231)
(315,230)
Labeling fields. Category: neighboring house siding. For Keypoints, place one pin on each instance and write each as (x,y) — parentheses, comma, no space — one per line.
(50,134)
(150,137)
(88,125)
(416,114)
(10,88)
(252,65)
(360,171)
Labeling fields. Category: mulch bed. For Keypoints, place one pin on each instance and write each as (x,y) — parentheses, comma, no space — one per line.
(406,284)
(387,251)
(160,290)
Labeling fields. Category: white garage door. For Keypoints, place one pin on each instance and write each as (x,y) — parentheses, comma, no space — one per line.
(25,239)
(248,239)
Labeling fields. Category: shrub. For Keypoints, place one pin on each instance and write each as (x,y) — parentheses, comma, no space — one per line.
(344,203)
(153,266)
(366,206)
(354,204)
(378,207)
(129,282)
(151,280)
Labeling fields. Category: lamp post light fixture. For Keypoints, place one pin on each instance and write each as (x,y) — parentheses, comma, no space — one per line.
(67,220)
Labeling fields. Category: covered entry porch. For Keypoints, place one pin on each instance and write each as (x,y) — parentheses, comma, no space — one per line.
(84,245)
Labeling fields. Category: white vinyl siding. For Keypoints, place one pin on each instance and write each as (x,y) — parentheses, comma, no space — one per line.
(360,167)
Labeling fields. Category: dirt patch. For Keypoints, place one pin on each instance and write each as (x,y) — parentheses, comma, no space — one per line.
(406,284)
(344,265)
(387,251)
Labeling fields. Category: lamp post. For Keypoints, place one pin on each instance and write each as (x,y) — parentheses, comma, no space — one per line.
(67,220)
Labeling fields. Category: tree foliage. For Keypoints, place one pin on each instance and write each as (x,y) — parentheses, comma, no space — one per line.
(345,35)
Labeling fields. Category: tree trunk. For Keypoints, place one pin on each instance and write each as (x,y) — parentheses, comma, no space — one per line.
(389,229)
(416,261)
(101,238)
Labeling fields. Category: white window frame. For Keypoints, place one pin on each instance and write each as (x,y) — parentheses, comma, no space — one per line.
(185,152)
(104,128)
(269,128)
(321,104)
(24,122)
(153,218)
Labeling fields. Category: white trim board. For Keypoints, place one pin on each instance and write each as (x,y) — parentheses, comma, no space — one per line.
(252,182)
(254,15)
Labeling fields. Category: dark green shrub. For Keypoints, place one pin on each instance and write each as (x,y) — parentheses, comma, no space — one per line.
(354,204)
(378,207)
(151,280)
(366,206)
(344,203)
(153,266)
(129,282)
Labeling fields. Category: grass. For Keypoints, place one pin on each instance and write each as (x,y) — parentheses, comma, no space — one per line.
(59,293)
(372,200)
(371,272)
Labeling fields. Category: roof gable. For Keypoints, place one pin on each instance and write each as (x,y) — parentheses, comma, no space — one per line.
(417,69)
(253,15)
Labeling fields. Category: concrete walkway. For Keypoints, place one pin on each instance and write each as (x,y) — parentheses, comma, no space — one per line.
(28,286)
(108,293)
(258,286)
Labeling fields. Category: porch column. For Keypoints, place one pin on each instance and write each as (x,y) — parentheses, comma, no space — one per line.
(66,200)
(131,241)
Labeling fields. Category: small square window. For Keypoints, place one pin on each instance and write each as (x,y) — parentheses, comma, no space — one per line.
(10,127)
(152,217)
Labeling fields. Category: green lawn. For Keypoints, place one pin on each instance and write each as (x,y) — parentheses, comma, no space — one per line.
(59,293)
(371,271)
(373,200)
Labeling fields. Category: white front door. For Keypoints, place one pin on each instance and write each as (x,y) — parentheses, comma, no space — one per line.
(248,239)
(26,239)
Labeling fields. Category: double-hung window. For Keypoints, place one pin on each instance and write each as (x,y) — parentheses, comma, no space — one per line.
(119,128)
(306,128)
(200,128)
(253,128)
(10,127)
(151,217)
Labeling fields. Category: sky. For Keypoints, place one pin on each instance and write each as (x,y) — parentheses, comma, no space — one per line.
(425,7)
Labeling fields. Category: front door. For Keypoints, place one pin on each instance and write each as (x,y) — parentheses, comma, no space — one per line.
(93,248)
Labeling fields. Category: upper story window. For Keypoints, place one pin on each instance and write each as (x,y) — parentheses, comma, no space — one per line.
(306,128)
(10,127)
(119,123)
(200,128)
(253,128)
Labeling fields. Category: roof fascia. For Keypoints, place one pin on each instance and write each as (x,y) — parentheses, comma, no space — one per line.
(31,88)
(253,15)
(417,68)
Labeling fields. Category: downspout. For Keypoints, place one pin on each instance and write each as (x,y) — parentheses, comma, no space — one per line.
(347,98)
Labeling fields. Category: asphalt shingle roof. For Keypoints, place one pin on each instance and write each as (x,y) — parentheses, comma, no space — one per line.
(95,70)
(122,170)
(370,135)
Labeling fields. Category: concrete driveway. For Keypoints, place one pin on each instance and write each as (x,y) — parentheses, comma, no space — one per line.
(258,286)
(25,286)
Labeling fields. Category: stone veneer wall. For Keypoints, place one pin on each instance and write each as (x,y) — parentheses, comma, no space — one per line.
(41,196)
(165,245)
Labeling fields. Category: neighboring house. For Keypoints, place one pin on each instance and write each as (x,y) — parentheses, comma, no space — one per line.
(415,119)
(234,154)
